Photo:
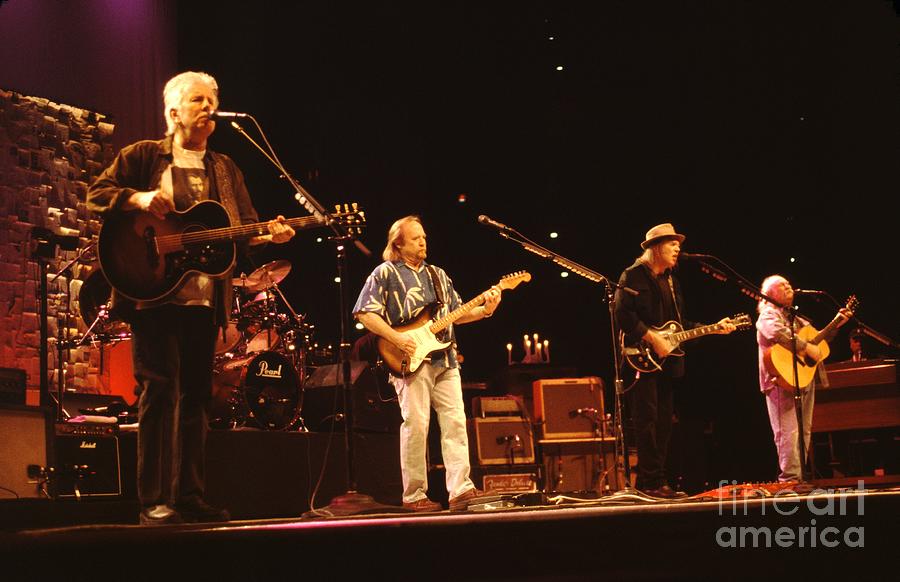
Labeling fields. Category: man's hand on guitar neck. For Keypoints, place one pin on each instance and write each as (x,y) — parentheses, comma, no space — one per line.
(725,326)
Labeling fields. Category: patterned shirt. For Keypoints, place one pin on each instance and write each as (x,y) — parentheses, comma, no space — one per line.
(398,294)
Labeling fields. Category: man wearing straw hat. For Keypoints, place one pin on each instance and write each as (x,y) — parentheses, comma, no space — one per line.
(658,301)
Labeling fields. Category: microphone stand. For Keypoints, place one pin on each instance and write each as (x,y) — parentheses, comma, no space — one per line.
(620,454)
(351,502)
(756,293)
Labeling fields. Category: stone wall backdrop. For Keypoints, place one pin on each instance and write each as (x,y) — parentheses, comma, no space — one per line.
(49,153)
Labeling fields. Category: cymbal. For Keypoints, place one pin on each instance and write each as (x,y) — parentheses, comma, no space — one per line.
(263,277)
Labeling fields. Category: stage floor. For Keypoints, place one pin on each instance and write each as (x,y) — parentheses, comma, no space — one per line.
(734,532)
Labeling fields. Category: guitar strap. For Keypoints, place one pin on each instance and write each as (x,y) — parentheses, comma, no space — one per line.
(674,299)
(438,292)
(435,282)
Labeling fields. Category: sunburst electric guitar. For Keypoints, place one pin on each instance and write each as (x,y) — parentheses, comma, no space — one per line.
(779,359)
(424,330)
(145,258)
(642,358)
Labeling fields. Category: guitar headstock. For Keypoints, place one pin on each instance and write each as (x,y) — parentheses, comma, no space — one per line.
(512,280)
(852,304)
(741,321)
(350,217)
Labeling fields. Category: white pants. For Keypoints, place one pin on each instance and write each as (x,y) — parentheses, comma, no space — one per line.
(440,388)
(783,418)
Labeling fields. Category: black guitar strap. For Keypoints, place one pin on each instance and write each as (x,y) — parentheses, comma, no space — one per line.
(674,299)
(436,283)
(439,293)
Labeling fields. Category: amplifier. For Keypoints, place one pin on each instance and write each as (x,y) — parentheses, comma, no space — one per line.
(509,482)
(485,406)
(87,461)
(12,386)
(569,408)
(503,441)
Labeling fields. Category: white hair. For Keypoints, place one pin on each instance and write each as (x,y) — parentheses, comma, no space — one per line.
(767,287)
(173,93)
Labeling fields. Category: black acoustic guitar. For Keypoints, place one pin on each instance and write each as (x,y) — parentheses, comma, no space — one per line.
(147,259)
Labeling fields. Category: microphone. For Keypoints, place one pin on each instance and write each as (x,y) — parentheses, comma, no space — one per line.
(485,219)
(808,292)
(684,255)
(227,115)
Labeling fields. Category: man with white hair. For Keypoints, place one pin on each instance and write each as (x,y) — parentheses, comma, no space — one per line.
(173,338)
(773,327)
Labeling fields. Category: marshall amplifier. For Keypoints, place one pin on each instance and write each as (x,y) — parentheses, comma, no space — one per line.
(87,461)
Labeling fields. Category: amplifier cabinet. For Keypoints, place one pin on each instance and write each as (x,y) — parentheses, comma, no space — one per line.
(26,447)
(506,479)
(569,408)
(503,441)
(87,461)
(579,465)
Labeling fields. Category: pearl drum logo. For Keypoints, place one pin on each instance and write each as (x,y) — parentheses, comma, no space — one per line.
(265,372)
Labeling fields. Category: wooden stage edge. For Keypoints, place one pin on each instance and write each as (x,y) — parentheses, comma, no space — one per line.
(731,534)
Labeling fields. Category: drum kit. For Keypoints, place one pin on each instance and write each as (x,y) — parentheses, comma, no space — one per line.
(261,358)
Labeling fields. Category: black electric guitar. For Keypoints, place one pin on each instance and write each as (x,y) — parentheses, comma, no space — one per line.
(642,358)
(423,330)
(146,259)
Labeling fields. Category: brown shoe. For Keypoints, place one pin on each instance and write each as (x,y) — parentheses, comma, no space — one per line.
(422,505)
(461,501)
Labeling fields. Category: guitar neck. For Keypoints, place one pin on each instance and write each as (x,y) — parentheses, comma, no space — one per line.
(444,322)
(243,231)
(696,332)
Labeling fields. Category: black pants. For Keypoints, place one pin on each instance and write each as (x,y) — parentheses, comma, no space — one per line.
(652,406)
(173,349)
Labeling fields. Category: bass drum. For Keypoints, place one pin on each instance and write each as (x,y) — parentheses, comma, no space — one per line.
(270,388)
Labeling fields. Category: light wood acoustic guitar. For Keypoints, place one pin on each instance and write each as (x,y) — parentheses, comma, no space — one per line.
(779,359)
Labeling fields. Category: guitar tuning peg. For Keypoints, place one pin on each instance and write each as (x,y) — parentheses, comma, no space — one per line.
(346,208)
(337,208)
(355,207)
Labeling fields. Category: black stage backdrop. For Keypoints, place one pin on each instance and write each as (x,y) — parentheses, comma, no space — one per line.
(763,131)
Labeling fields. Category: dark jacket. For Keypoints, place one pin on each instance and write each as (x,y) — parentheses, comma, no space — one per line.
(139,168)
(636,313)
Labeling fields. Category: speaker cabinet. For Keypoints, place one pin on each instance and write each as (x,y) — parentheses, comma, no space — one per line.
(375,407)
(509,479)
(26,434)
(503,441)
(12,386)
(87,461)
(580,465)
(569,408)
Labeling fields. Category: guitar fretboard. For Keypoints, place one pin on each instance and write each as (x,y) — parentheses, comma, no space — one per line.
(696,332)
(440,324)
(171,241)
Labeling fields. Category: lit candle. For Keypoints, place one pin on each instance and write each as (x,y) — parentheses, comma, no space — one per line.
(509,354)
(547,351)
(537,351)
(525,343)
(527,357)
